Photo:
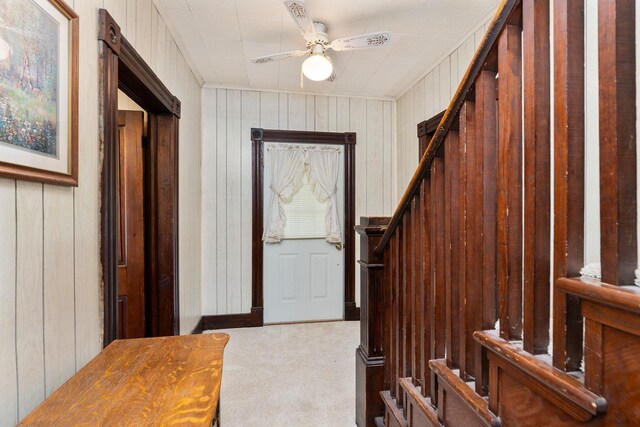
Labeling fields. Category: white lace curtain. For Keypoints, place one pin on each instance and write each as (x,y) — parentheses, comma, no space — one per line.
(288,165)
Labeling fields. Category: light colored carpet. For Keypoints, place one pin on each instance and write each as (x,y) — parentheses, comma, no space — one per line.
(290,375)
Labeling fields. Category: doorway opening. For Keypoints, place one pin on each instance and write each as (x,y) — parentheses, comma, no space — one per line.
(139,192)
(346,250)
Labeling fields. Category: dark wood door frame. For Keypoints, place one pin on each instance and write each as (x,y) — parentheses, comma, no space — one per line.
(348,139)
(121,67)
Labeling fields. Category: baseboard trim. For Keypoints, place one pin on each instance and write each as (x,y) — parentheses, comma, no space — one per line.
(228,321)
(351,312)
(199,327)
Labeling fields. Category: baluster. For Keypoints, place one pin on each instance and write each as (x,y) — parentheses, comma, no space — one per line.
(416,324)
(487,155)
(452,250)
(437,263)
(388,312)
(409,293)
(393,357)
(537,175)
(400,314)
(427,294)
(618,207)
(473,251)
(510,182)
(568,143)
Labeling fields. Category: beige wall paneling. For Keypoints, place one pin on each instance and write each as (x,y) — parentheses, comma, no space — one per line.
(88,315)
(343,112)
(59,286)
(388,160)
(250,119)
(321,118)
(332,113)
(29,297)
(143,29)
(445,84)
(269,109)
(297,111)
(453,70)
(221,204)
(209,202)
(234,201)
(374,179)
(310,112)
(283,111)
(592,140)
(118,10)
(8,368)
(129,29)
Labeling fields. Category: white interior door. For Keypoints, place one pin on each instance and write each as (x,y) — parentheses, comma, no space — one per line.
(304,274)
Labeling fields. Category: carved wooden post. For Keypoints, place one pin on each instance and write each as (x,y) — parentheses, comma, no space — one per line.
(369,355)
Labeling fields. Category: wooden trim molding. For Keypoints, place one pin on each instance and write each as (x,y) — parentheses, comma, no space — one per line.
(122,67)
(348,139)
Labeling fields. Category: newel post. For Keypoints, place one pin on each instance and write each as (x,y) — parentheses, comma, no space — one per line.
(369,355)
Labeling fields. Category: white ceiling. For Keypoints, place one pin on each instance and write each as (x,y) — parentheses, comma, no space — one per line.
(219,38)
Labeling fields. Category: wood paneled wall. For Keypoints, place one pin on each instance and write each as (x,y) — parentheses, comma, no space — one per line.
(227,118)
(50,291)
(428,97)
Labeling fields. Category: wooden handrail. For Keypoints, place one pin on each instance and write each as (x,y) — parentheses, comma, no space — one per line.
(478,63)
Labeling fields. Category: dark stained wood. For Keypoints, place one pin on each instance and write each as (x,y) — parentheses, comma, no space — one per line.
(426,130)
(109,194)
(565,391)
(420,309)
(427,294)
(370,363)
(421,413)
(164,311)
(617,78)
(416,314)
(150,381)
(471,409)
(452,250)
(394,329)
(487,169)
(568,219)
(510,183)
(477,64)
(537,175)
(199,328)
(408,295)
(437,215)
(131,247)
(472,292)
(258,137)
(252,319)
(119,59)
(400,313)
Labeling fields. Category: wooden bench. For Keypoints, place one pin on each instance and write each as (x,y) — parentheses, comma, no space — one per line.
(147,381)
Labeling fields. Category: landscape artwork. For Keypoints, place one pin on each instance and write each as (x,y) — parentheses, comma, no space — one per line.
(28,77)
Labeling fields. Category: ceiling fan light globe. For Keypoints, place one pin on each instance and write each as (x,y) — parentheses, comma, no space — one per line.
(317,68)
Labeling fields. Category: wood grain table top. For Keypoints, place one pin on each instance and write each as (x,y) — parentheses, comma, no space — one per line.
(149,381)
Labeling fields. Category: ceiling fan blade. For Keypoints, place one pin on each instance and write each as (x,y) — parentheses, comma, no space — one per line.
(379,39)
(300,14)
(279,56)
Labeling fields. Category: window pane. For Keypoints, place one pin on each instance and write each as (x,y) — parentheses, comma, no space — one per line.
(305,215)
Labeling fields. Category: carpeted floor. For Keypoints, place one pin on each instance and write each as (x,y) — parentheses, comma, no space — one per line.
(290,375)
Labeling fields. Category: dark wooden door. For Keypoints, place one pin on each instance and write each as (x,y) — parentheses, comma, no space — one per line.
(131,255)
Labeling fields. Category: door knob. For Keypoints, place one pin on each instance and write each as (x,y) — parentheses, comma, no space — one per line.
(339,246)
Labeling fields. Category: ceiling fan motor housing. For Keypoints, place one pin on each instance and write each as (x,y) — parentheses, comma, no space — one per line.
(321,36)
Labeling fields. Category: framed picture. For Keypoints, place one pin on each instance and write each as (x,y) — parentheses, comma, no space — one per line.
(39,91)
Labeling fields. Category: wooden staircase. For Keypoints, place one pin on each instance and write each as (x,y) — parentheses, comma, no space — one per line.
(457,301)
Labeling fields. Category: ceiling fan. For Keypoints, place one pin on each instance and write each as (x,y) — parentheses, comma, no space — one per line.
(318,66)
